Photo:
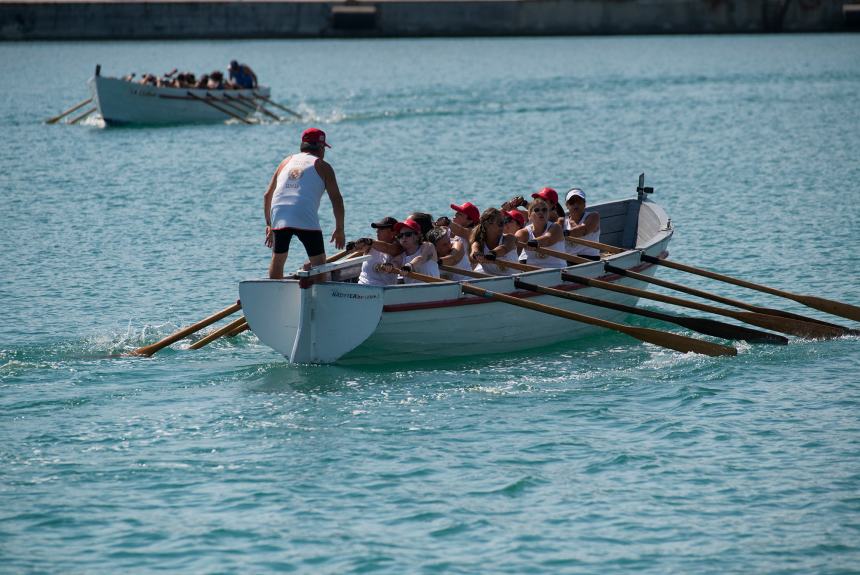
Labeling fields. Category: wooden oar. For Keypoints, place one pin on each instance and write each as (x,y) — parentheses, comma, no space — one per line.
(74,108)
(702,325)
(713,297)
(766,321)
(832,307)
(226,102)
(242,327)
(218,333)
(791,326)
(185,332)
(674,341)
(219,108)
(82,116)
(812,329)
(256,106)
(275,104)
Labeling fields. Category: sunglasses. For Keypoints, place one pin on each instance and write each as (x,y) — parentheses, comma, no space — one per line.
(507,220)
(541,210)
(402,235)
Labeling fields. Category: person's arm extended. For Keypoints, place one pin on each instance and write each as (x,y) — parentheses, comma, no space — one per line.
(394,249)
(592,222)
(460,231)
(508,243)
(457,249)
(327,172)
(552,235)
(267,200)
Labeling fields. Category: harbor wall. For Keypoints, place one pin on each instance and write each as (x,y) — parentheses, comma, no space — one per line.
(171,19)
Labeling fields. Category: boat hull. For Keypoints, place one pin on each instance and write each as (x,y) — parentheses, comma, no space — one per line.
(122,103)
(353,324)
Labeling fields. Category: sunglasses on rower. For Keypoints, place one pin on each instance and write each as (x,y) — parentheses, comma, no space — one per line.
(541,210)
(402,235)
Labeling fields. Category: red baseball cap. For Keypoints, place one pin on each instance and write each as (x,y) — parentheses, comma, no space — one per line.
(468,209)
(547,194)
(314,136)
(409,223)
(518,216)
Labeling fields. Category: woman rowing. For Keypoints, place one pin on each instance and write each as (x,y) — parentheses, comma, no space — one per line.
(541,232)
(490,246)
(418,256)
(580,224)
(384,249)
(451,251)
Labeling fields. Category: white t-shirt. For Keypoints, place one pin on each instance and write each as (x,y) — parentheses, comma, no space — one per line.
(298,190)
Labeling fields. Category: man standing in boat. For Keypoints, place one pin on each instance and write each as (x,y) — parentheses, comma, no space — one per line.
(292,201)
(242,75)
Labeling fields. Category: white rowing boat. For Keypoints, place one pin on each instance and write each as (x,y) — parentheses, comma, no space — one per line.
(122,102)
(349,323)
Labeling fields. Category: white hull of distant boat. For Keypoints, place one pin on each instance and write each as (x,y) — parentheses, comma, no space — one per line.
(350,323)
(120,102)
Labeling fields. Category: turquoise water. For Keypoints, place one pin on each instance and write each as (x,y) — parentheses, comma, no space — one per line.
(598,456)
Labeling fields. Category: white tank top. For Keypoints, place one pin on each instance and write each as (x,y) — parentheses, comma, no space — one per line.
(535,259)
(298,191)
(428,268)
(369,275)
(578,250)
(463,264)
(493,269)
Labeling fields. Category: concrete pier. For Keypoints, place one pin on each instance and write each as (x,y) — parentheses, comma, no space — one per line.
(193,19)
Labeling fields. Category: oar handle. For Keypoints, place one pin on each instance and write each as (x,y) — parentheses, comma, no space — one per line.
(570,258)
(595,245)
(151,349)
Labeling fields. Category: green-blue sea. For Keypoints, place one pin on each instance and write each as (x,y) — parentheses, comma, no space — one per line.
(599,456)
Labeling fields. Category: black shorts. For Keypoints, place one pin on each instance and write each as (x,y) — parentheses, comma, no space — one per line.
(311,239)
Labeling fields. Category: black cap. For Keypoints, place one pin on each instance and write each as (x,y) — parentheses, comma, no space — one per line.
(386,222)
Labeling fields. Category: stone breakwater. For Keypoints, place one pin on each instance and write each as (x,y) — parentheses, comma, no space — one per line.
(103,20)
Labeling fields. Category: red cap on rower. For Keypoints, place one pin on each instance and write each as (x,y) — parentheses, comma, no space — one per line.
(314,136)
(548,194)
(468,209)
(518,216)
(409,223)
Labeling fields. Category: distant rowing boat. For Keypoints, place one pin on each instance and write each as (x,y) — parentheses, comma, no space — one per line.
(349,323)
(122,102)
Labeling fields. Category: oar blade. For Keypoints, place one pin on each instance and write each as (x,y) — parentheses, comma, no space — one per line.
(841,309)
(795,327)
(729,331)
(680,343)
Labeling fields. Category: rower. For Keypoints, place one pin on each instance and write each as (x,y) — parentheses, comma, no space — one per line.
(384,249)
(541,232)
(418,255)
(489,244)
(580,224)
(242,75)
(451,251)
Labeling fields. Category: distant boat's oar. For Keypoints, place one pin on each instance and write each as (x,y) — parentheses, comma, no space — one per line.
(219,108)
(226,102)
(791,326)
(702,325)
(674,341)
(256,106)
(832,307)
(218,333)
(74,108)
(82,116)
(185,332)
(275,104)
